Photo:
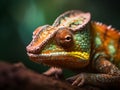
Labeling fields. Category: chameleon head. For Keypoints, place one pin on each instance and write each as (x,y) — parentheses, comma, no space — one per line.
(62,45)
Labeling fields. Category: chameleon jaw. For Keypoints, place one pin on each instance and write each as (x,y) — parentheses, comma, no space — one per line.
(69,60)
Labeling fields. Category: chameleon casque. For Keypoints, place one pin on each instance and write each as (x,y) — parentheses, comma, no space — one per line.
(77,43)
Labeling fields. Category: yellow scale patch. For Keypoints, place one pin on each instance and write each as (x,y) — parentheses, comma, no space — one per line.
(81,55)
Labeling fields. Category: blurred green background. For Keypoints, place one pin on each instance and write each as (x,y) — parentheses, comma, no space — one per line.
(19,18)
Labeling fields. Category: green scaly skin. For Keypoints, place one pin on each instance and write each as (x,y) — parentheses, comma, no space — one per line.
(76,43)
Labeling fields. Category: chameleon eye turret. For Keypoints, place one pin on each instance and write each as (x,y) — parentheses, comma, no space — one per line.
(64,38)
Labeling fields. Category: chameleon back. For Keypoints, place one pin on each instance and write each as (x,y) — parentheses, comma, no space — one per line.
(106,41)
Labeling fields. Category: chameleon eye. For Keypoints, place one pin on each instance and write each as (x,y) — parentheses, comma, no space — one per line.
(68,38)
(64,38)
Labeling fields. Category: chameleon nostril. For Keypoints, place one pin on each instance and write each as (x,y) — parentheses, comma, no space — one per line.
(32,49)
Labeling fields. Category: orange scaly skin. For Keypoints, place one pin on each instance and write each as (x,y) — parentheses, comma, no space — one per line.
(76,43)
(110,39)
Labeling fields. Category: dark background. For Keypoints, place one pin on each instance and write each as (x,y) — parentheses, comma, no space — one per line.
(19,18)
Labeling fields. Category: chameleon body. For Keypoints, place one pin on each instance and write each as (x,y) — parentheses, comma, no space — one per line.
(77,43)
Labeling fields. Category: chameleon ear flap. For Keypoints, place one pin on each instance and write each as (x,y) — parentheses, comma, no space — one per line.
(74,20)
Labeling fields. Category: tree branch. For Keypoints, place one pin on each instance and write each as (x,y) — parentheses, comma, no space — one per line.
(18,77)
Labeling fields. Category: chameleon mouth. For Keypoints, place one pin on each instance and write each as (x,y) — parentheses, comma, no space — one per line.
(61,59)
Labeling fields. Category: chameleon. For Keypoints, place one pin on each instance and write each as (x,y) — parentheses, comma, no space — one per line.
(77,43)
